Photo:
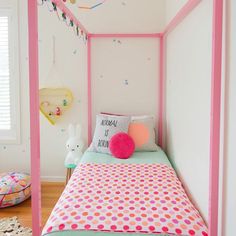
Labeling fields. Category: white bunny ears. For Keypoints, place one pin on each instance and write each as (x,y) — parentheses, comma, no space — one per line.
(74,130)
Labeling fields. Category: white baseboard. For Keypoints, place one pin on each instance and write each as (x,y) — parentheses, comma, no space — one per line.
(53,178)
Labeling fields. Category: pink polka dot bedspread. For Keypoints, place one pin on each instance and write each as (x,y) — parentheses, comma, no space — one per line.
(125,198)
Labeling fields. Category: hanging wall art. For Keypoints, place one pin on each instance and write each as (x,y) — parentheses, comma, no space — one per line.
(54,97)
(54,102)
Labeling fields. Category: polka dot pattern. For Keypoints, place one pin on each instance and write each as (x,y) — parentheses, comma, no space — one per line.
(146,198)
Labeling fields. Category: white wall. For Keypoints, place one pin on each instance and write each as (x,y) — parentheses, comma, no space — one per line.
(16,157)
(229,174)
(71,72)
(172,7)
(114,16)
(188,100)
(125,75)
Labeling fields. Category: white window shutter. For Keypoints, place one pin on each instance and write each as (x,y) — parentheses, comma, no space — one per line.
(5,101)
(9,74)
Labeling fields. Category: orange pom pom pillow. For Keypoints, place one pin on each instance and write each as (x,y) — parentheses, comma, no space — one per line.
(141,129)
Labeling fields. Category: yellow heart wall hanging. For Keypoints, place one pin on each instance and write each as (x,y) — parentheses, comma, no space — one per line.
(54,102)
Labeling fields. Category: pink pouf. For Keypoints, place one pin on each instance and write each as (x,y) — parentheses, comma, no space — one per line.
(15,187)
(122,145)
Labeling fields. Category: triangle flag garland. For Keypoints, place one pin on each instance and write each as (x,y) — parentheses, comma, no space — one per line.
(69,22)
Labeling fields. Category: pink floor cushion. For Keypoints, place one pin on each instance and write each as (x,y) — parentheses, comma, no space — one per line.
(122,145)
(14,188)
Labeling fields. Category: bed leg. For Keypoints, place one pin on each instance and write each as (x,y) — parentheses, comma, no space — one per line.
(68,174)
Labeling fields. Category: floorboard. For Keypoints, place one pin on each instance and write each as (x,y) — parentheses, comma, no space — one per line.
(51,192)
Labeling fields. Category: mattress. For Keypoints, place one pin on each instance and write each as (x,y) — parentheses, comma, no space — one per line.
(137,158)
(92,163)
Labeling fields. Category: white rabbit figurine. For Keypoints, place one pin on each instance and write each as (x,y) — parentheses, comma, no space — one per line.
(74,145)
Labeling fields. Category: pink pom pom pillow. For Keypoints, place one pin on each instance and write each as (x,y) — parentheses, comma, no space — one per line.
(121,145)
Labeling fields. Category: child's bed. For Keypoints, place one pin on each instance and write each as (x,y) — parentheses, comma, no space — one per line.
(109,196)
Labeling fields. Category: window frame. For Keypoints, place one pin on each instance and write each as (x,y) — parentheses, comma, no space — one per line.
(10,8)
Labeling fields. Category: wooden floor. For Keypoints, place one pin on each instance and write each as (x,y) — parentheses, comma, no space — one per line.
(50,194)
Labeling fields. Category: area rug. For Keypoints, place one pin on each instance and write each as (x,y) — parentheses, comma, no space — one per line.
(12,227)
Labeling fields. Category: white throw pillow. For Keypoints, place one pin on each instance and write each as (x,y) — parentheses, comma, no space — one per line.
(106,127)
(142,130)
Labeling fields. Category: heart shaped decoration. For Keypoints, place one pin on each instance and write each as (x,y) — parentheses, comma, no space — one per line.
(53,102)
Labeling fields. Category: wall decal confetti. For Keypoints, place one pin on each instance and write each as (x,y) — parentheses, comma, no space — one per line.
(117,41)
(93,6)
(126,82)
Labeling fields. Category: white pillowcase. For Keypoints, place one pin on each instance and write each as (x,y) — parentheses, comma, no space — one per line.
(106,127)
(142,130)
(142,117)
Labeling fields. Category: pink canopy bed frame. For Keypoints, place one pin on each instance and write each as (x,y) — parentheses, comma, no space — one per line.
(215,97)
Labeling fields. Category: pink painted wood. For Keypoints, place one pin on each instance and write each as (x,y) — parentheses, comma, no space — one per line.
(69,14)
(215,103)
(151,35)
(34,116)
(161,108)
(215,116)
(184,11)
(215,111)
(89,90)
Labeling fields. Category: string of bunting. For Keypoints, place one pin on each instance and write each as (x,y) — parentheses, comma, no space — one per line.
(63,17)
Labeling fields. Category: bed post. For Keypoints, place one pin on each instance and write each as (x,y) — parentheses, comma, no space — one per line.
(215,116)
(34,117)
(89,90)
(161,106)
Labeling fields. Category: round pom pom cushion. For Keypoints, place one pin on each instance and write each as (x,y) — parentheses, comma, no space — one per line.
(14,188)
(121,145)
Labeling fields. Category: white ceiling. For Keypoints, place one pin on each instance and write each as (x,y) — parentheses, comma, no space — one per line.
(122,16)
